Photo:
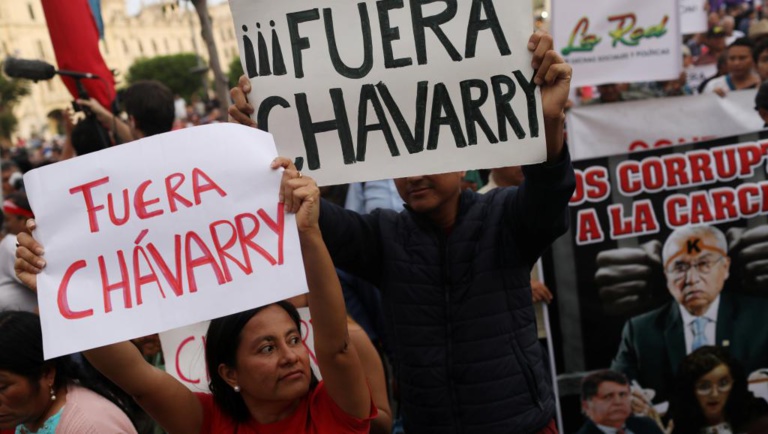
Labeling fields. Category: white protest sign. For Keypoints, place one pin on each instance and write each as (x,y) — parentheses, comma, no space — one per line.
(616,128)
(693,17)
(367,90)
(160,233)
(697,74)
(184,351)
(618,41)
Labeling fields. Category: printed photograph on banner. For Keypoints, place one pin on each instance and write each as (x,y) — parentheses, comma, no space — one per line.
(161,233)
(617,128)
(618,41)
(665,265)
(373,90)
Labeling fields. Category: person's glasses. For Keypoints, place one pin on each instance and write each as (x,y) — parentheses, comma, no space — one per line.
(679,269)
(706,387)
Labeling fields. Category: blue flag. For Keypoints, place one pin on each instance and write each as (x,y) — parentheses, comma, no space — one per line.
(96,11)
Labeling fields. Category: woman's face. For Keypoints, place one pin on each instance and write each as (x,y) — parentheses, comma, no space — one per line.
(712,391)
(272,362)
(20,400)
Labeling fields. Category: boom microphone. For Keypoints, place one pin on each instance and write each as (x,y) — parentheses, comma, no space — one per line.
(37,70)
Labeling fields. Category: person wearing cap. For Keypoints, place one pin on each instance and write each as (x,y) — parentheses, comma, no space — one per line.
(714,45)
(13,294)
(741,74)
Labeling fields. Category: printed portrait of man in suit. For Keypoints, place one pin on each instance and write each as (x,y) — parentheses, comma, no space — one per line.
(696,267)
(605,402)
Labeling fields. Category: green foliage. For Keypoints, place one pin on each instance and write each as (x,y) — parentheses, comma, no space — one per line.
(175,71)
(11,91)
(235,71)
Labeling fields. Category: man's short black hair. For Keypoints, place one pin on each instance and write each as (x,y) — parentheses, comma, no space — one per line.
(759,48)
(151,105)
(591,382)
(743,42)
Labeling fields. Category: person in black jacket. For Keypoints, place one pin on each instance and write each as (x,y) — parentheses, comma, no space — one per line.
(454,271)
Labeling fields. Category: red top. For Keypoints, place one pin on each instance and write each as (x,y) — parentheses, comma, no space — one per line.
(317,414)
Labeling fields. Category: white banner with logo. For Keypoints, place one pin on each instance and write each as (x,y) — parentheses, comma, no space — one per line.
(618,41)
(615,128)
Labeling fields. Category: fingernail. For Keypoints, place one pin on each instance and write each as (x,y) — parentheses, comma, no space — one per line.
(247,88)
(538,81)
(39,251)
(531,45)
(535,64)
(40,264)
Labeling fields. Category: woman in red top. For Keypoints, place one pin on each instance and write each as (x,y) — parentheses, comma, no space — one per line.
(261,381)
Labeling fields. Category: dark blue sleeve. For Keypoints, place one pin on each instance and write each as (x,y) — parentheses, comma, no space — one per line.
(539,209)
(352,239)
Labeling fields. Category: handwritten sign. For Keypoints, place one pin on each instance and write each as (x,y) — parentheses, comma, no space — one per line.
(160,233)
(693,17)
(618,41)
(366,90)
(184,350)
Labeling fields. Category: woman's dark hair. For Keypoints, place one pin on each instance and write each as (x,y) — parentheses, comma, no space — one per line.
(684,405)
(21,352)
(222,341)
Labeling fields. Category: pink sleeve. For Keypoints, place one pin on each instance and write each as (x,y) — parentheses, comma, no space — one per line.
(87,412)
(328,417)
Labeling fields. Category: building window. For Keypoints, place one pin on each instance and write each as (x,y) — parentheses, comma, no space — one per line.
(141,48)
(125,46)
(154,47)
(31,11)
(106,46)
(40,50)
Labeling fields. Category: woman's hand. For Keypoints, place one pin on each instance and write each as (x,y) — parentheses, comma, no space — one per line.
(299,194)
(29,257)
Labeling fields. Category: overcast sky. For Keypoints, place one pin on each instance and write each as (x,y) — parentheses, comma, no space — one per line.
(134,5)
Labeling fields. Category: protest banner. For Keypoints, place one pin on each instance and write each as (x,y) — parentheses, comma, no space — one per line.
(160,233)
(693,17)
(617,272)
(618,41)
(617,128)
(415,87)
(184,350)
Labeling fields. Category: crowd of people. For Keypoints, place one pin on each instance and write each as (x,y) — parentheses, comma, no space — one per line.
(420,293)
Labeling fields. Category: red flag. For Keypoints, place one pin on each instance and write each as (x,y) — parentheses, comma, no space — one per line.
(75,40)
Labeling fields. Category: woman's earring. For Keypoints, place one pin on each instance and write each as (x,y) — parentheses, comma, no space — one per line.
(53,394)
(236,388)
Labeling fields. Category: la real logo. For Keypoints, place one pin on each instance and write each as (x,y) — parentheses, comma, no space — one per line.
(626,33)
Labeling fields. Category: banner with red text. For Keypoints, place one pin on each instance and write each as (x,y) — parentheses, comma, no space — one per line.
(367,90)
(184,351)
(160,233)
(617,128)
(618,41)
(657,237)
